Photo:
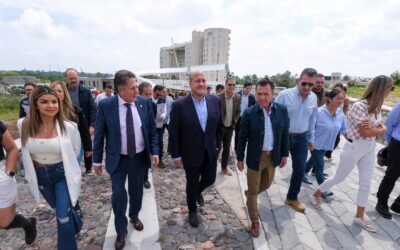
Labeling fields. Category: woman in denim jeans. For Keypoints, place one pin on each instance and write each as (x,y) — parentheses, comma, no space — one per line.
(50,144)
(330,121)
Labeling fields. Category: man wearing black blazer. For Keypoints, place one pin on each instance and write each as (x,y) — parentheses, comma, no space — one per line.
(247,100)
(195,133)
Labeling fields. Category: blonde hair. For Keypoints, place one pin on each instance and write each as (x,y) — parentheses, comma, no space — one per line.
(31,124)
(67,105)
(375,93)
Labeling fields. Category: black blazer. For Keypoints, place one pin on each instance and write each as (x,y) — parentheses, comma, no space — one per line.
(83,129)
(252,99)
(186,137)
(87,105)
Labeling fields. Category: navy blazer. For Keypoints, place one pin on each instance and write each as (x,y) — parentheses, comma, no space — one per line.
(252,99)
(108,126)
(87,105)
(252,133)
(186,137)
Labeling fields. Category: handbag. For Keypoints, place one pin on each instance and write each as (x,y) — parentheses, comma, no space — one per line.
(382,156)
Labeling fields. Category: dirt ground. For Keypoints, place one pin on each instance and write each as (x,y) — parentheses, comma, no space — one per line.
(12,128)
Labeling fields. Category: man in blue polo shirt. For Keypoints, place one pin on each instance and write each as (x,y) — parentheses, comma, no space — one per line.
(302,107)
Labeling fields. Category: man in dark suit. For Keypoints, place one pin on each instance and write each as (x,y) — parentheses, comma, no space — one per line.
(265,129)
(246,100)
(195,135)
(82,98)
(127,123)
(231,106)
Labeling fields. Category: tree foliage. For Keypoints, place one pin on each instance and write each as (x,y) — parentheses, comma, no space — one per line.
(396,77)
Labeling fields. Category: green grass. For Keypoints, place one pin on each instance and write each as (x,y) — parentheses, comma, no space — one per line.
(391,100)
(9,108)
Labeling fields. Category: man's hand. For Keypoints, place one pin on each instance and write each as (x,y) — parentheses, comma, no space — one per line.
(178,163)
(240,165)
(88,153)
(155,160)
(98,169)
(162,118)
(91,130)
(311,146)
(366,124)
(283,162)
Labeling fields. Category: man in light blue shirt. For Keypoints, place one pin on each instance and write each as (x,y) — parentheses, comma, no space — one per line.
(302,107)
(393,169)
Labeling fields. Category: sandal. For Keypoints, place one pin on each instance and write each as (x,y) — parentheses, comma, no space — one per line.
(316,202)
(366,224)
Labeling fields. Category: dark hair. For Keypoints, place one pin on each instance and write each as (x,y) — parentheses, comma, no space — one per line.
(319,75)
(340,86)
(308,72)
(144,85)
(30,84)
(121,77)
(247,83)
(264,82)
(334,92)
(219,86)
(228,78)
(65,72)
(208,88)
(109,86)
(158,88)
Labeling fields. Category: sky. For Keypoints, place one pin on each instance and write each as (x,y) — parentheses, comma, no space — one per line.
(356,38)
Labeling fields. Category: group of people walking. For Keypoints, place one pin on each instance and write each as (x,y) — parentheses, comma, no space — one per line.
(128,126)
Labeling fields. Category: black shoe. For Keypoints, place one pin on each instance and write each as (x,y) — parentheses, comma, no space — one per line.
(395,207)
(147,185)
(120,242)
(383,210)
(137,224)
(88,172)
(78,209)
(200,200)
(193,219)
(30,231)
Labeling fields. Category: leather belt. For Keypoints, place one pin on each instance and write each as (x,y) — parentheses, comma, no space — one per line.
(298,134)
(267,153)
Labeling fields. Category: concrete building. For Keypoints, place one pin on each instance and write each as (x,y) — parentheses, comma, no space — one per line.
(207,47)
(17,80)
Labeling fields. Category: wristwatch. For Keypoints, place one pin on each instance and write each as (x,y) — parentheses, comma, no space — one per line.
(10,173)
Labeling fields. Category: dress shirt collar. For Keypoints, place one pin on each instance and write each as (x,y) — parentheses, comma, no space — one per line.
(325,109)
(229,97)
(202,100)
(121,101)
(298,92)
(270,108)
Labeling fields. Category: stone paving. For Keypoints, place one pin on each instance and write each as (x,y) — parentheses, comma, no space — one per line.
(219,228)
(96,205)
(331,228)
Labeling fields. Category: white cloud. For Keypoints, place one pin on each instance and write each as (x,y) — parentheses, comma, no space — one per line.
(355,37)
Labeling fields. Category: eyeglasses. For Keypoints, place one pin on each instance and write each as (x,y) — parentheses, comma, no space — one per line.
(310,84)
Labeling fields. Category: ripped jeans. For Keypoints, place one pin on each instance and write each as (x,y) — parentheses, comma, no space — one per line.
(53,186)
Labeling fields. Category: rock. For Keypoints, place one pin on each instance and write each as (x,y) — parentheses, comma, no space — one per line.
(211,217)
(241,236)
(176,210)
(214,225)
(219,242)
(208,245)
(171,222)
(219,201)
(186,247)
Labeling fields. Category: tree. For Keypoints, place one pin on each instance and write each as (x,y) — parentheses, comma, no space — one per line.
(396,77)
(10,73)
(283,80)
(346,78)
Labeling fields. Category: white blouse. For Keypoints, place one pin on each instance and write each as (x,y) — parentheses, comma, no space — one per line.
(45,151)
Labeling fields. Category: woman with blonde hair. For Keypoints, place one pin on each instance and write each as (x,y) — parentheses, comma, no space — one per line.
(50,145)
(364,124)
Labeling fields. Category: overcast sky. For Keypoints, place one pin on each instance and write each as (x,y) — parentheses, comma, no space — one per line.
(359,38)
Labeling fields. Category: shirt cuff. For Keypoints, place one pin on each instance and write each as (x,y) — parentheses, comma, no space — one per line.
(177,158)
(97,164)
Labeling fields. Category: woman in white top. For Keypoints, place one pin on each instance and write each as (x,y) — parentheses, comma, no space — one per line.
(8,189)
(364,124)
(50,145)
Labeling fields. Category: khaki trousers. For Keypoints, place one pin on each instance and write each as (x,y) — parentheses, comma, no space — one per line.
(259,181)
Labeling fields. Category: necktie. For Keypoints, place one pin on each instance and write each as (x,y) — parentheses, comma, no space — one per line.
(130,132)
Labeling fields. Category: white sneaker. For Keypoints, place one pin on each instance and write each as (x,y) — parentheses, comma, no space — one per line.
(366,224)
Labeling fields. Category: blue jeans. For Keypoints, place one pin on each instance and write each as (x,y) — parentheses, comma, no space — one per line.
(298,147)
(53,186)
(160,134)
(316,160)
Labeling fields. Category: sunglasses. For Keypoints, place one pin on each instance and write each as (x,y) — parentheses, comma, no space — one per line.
(392,88)
(310,84)
(231,85)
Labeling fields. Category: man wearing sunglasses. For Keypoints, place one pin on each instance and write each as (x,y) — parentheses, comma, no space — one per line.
(301,104)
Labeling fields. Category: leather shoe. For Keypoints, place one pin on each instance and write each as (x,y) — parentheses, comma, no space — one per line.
(200,200)
(137,224)
(255,230)
(147,185)
(296,205)
(395,207)
(193,219)
(30,231)
(120,242)
(383,210)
